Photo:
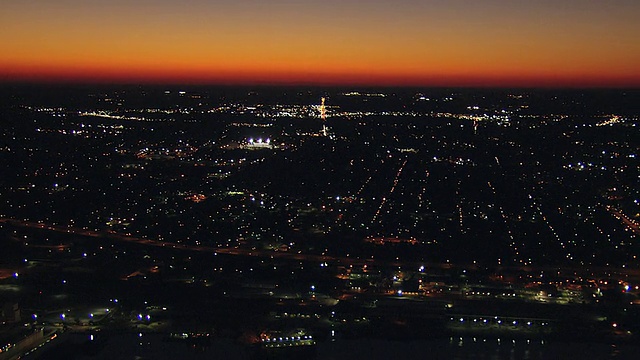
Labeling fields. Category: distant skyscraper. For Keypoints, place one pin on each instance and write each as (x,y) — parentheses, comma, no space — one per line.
(323,115)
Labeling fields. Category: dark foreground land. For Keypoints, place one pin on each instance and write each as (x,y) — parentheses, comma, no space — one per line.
(255,223)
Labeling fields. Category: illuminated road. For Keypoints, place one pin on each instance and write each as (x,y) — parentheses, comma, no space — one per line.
(172,245)
(632,225)
(303,257)
(393,188)
(222,250)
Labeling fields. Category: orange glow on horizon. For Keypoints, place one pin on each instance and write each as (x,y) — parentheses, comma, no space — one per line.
(104,73)
(421,43)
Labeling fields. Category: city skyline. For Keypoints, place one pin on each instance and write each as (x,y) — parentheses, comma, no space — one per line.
(413,43)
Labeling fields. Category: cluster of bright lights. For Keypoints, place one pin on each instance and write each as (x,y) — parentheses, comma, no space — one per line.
(286,338)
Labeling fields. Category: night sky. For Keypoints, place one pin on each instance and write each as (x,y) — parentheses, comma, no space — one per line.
(401,42)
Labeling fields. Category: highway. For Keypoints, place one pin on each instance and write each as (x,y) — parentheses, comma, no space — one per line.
(632,225)
(178,246)
(355,261)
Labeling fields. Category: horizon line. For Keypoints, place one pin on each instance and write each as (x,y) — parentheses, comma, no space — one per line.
(311,84)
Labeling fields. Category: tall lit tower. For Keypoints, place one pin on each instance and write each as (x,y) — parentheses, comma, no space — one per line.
(323,115)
